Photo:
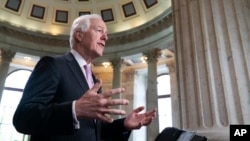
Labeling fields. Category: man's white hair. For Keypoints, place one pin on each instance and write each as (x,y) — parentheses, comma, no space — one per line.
(82,23)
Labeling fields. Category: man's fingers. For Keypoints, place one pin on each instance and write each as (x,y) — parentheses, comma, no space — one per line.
(112,111)
(149,116)
(103,117)
(114,102)
(152,112)
(97,86)
(139,109)
(113,92)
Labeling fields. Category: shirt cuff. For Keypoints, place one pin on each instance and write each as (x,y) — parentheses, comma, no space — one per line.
(76,123)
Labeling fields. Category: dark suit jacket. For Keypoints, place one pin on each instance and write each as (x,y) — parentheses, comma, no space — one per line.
(45,109)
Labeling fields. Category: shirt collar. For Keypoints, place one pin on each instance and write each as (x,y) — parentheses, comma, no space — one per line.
(80,60)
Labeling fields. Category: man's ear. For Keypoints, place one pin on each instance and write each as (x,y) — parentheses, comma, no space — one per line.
(78,35)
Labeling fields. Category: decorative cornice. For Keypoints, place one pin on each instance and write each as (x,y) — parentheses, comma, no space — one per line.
(29,36)
(139,33)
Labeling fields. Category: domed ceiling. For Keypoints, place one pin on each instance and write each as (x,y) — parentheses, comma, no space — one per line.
(133,25)
(55,16)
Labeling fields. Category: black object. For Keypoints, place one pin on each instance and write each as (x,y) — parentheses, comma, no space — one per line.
(172,134)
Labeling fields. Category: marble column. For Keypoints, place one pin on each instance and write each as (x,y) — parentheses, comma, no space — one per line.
(151,93)
(116,82)
(212,43)
(128,77)
(6,58)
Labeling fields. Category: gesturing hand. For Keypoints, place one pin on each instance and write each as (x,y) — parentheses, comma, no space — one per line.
(135,120)
(96,106)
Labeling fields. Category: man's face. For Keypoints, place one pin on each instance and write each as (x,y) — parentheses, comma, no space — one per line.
(94,39)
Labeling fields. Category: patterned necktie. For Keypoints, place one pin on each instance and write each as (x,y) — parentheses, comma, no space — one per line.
(88,75)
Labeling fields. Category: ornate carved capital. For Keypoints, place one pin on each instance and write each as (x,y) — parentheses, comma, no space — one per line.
(7,55)
(117,62)
(152,55)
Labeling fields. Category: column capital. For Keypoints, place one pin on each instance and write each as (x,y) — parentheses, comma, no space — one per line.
(116,62)
(152,55)
(7,55)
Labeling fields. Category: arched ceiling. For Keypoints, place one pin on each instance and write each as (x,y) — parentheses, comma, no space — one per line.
(55,16)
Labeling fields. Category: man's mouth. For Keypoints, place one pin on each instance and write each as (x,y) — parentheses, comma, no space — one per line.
(101,45)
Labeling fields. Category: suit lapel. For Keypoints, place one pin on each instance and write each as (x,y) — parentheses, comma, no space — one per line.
(76,70)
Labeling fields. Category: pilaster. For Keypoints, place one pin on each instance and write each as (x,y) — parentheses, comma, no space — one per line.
(212,42)
(175,98)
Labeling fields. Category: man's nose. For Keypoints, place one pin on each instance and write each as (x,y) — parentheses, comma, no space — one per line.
(105,36)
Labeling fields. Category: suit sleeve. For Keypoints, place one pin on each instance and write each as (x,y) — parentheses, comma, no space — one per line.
(37,113)
(115,131)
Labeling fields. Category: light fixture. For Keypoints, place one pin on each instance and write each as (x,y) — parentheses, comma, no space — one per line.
(144,58)
(105,64)
(27,59)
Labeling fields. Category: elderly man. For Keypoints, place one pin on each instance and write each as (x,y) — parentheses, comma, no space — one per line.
(62,100)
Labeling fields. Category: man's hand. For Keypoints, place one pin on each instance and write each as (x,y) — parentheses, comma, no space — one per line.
(96,106)
(135,120)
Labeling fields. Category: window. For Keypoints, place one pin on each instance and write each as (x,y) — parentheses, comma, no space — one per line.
(11,95)
(164,101)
